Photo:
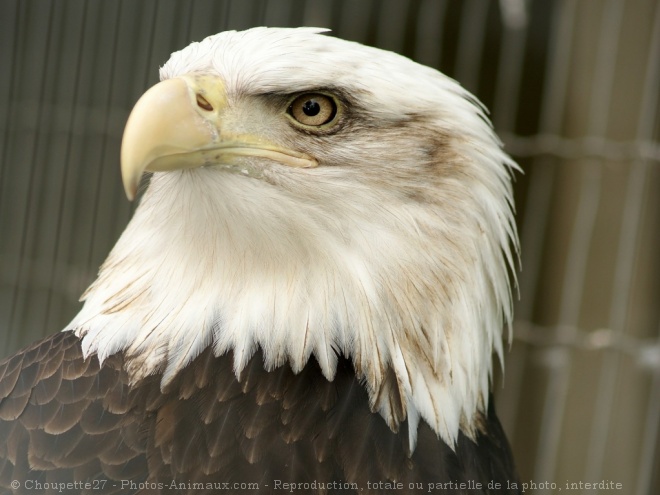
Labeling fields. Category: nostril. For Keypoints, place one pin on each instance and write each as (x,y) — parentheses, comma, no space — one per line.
(203,103)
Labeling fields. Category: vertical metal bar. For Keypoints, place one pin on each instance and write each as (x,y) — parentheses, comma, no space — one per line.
(391,25)
(429,32)
(225,15)
(258,12)
(575,273)
(505,109)
(318,13)
(189,24)
(67,166)
(148,67)
(559,359)
(538,206)
(581,236)
(24,257)
(11,104)
(509,77)
(13,77)
(471,42)
(542,177)
(648,118)
(648,121)
(605,67)
(611,362)
(356,19)
(628,247)
(106,124)
(627,241)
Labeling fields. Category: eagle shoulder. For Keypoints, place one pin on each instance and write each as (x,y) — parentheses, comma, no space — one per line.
(65,419)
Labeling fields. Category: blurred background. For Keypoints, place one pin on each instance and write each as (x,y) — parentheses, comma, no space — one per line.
(574,92)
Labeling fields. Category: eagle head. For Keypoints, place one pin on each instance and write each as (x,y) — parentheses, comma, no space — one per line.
(312,197)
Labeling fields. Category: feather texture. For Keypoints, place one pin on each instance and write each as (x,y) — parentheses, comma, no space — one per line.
(310,430)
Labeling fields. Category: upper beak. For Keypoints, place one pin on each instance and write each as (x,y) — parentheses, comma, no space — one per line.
(176,125)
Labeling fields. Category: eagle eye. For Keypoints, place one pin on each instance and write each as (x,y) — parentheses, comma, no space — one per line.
(313,109)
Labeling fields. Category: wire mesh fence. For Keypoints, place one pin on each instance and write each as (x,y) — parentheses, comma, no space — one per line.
(574,90)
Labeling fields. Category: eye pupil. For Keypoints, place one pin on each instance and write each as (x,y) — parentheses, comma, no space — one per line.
(311,108)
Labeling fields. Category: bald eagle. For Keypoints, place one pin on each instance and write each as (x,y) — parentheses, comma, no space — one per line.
(308,297)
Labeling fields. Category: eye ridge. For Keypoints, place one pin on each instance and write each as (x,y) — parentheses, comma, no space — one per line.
(313,109)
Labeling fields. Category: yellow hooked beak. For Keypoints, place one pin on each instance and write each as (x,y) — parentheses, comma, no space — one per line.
(176,125)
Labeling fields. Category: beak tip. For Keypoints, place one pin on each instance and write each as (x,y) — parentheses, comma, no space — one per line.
(130,186)
(163,122)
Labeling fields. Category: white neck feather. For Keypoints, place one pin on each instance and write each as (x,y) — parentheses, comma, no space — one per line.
(395,287)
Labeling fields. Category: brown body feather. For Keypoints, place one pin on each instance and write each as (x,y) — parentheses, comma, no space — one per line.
(65,420)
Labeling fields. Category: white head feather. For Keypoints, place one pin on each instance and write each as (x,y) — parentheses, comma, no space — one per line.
(396,250)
